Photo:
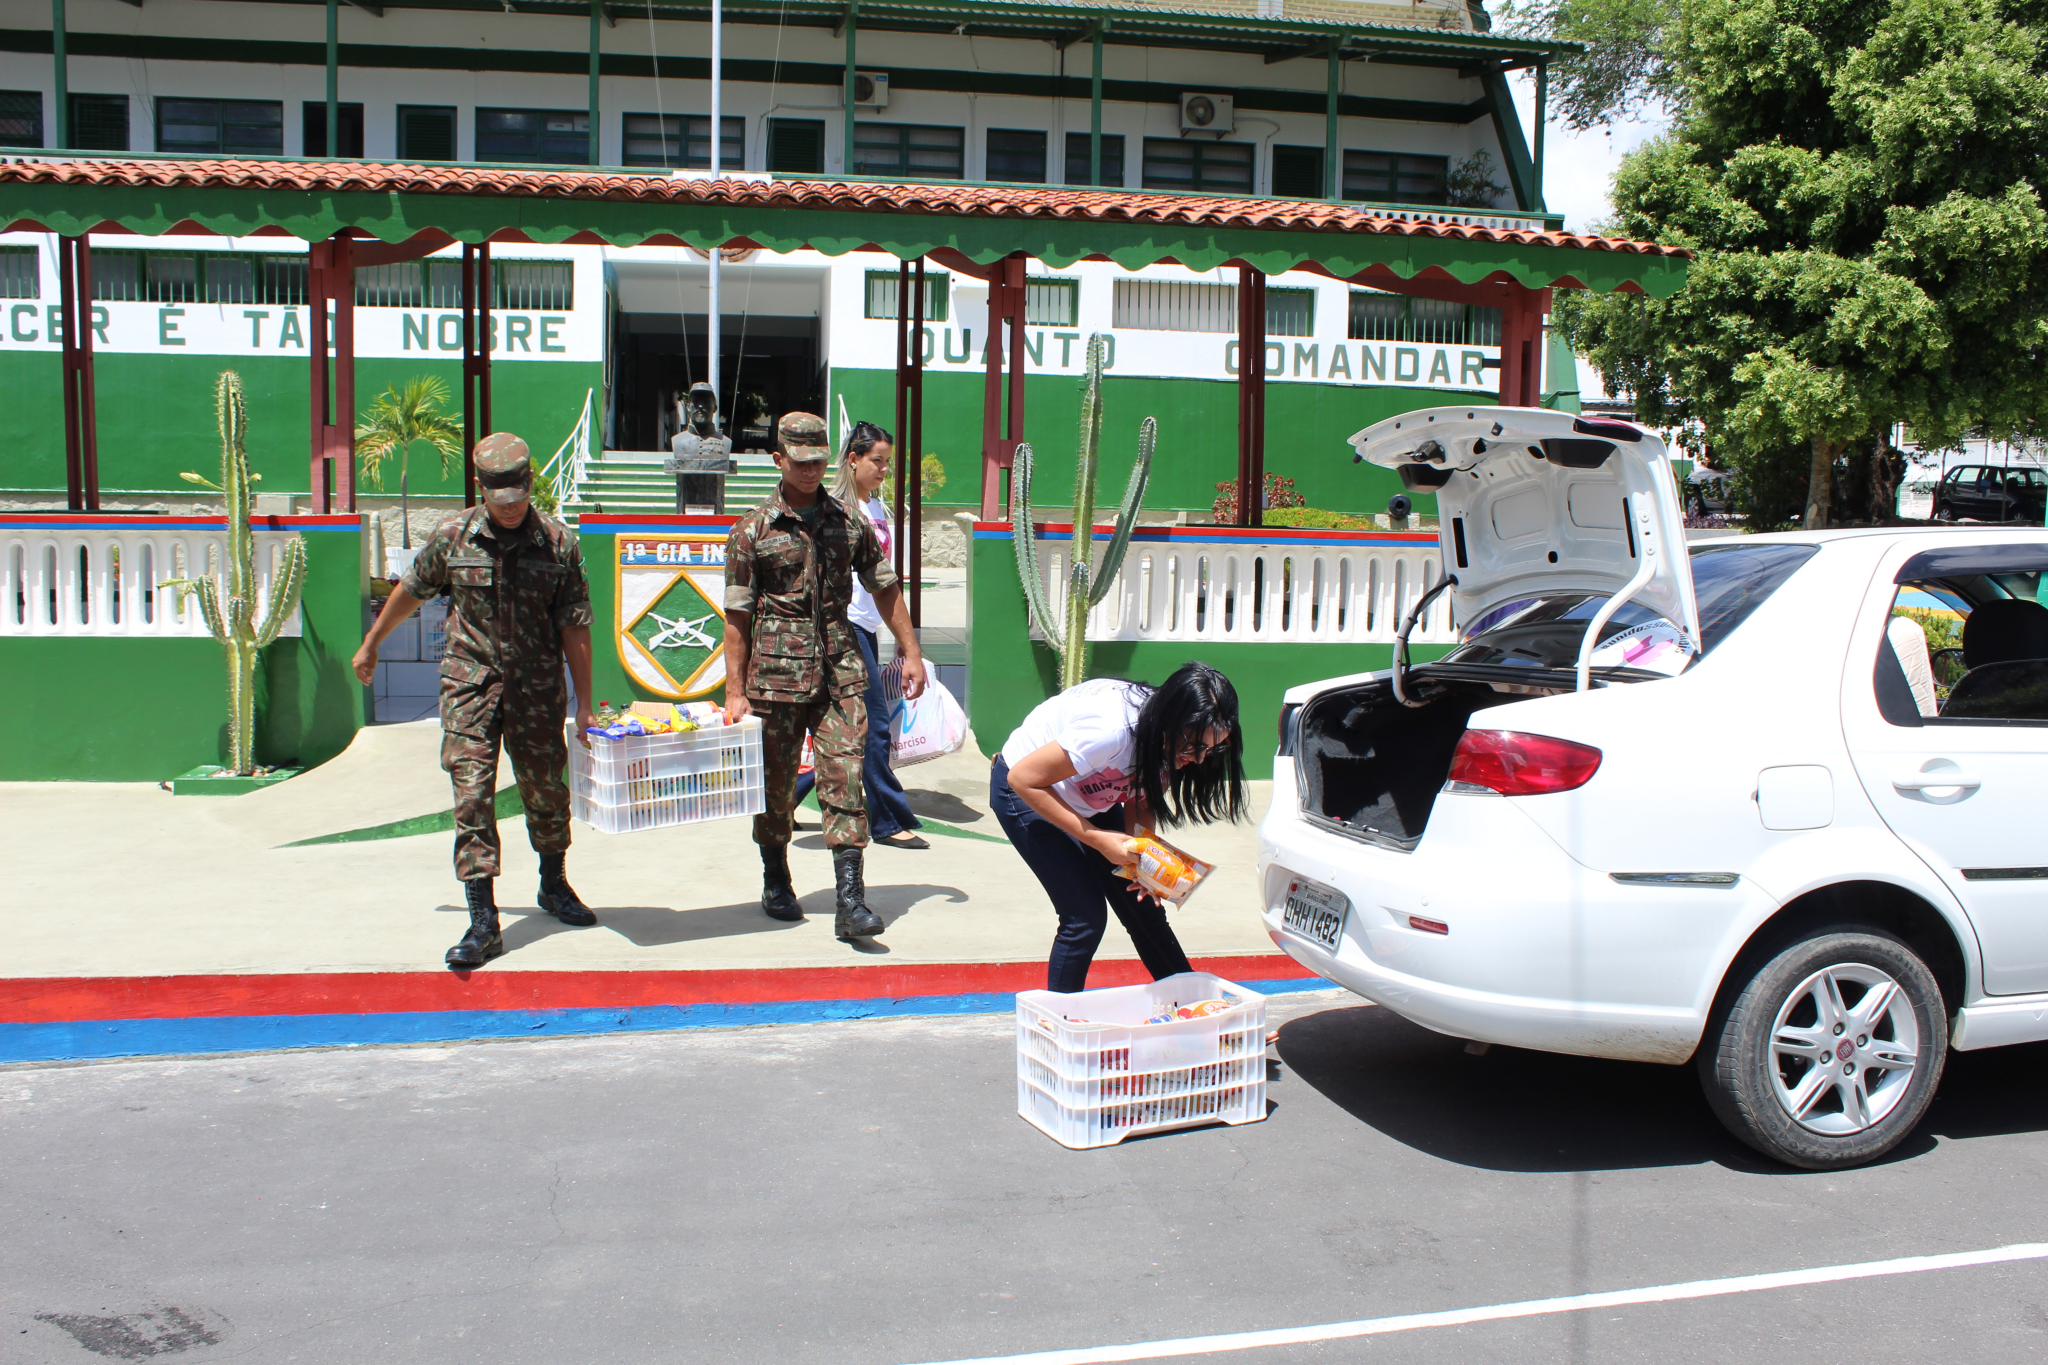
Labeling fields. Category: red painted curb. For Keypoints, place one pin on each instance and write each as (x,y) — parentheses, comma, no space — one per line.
(42,1000)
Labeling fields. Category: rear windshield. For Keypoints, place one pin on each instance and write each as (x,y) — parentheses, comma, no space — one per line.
(1730,579)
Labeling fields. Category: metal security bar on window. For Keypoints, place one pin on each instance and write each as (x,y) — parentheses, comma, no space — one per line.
(1397,317)
(881,296)
(99,123)
(198,277)
(1052,303)
(796,146)
(1016,155)
(21,276)
(1395,178)
(911,151)
(684,140)
(1205,167)
(1189,306)
(1174,306)
(537,286)
(21,118)
(1290,312)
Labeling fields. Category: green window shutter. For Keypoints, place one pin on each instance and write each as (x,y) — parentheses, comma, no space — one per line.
(1016,155)
(1297,172)
(1112,159)
(426,133)
(796,146)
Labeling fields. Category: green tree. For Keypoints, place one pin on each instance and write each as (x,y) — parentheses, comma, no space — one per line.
(404,414)
(1624,71)
(1860,183)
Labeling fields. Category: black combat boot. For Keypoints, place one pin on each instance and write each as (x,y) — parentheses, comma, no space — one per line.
(778,899)
(482,942)
(557,897)
(855,920)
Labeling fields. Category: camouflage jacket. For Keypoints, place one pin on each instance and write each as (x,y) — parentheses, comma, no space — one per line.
(797,590)
(511,593)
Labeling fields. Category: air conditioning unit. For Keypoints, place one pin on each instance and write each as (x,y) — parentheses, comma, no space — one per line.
(871,89)
(1200,113)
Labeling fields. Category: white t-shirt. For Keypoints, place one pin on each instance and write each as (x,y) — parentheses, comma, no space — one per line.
(1095,724)
(861,611)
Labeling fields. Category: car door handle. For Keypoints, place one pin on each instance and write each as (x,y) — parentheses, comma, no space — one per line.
(1952,777)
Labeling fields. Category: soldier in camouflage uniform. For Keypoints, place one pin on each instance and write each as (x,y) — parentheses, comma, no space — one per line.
(790,657)
(520,607)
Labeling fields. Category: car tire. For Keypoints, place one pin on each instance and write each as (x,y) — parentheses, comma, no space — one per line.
(1944,512)
(1772,1061)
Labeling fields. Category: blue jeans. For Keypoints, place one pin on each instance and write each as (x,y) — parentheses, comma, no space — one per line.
(1084,889)
(888,808)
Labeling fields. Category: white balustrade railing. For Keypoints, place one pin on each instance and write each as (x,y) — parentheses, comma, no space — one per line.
(1210,584)
(98,579)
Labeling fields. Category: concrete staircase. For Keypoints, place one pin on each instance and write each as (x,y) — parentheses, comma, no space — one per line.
(633,481)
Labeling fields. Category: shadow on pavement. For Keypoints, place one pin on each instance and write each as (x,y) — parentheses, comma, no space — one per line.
(1509,1110)
(1514,1110)
(942,806)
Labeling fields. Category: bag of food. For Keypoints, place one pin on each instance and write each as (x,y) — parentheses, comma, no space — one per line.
(1162,869)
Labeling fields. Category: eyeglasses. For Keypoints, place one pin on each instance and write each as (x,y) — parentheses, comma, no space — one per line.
(1198,751)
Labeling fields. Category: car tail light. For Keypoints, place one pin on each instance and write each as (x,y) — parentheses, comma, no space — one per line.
(1515,764)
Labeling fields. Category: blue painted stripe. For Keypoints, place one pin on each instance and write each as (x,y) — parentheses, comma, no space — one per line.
(163,528)
(90,1039)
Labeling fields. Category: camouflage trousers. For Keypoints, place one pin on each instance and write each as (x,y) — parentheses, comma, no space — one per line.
(532,737)
(839,737)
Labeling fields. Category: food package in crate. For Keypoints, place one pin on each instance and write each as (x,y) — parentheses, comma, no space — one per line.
(637,782)
(1162,869)
(1096,1067)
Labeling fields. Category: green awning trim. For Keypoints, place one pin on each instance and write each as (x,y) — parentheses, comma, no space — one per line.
(313,215)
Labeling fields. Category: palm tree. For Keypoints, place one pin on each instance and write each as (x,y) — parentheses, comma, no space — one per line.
(405,414)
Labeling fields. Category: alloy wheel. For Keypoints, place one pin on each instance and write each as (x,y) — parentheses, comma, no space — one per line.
(1843,1049)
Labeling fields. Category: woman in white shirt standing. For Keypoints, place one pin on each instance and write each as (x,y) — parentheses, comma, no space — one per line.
(863,467)
(1087,766)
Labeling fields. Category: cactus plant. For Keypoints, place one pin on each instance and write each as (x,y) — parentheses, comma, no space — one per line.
(1087,583)
(229,606)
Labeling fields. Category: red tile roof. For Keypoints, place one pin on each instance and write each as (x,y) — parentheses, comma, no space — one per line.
(980,201)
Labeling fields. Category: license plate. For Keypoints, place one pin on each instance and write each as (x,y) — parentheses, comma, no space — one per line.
(1314,911)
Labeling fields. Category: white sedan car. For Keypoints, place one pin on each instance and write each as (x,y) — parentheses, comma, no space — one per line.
(1538,840)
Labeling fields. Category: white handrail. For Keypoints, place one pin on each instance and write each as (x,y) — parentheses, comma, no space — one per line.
(1235,589)
(566,478)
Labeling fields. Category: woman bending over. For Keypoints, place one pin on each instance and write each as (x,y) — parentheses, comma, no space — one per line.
(1096,761)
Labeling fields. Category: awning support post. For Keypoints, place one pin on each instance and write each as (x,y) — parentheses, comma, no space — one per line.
(902,426)
(476,359)
(1521,346)
(81,434)
(911,438)
(1251,393)
(331,279)
(1002,422)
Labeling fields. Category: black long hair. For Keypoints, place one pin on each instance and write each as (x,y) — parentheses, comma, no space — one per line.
(1177,715)
(859,441)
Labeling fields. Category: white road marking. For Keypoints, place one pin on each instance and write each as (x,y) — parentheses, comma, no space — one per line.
(1528,1308)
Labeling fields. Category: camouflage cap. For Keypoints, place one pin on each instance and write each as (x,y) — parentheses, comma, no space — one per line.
(502,464)
(802,435)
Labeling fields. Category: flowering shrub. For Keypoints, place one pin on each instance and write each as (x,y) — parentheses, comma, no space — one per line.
(1279,494)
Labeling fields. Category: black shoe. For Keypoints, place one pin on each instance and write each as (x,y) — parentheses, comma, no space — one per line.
(855,920)
(903,840)
(483,941)
(557,897)
(778,899)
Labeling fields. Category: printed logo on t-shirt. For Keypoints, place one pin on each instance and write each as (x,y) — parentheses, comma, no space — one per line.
(1103,788)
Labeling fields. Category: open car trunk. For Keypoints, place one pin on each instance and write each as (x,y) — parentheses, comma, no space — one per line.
(1371,768)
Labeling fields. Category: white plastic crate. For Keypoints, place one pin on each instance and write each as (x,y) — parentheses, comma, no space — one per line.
(1095,1083)
(622,786)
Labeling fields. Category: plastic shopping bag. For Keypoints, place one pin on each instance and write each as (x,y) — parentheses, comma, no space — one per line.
(931,726)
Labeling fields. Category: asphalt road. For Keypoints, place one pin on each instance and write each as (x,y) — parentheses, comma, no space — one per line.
(864,1194)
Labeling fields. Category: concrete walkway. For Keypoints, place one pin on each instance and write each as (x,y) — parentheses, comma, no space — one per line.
(114,880)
